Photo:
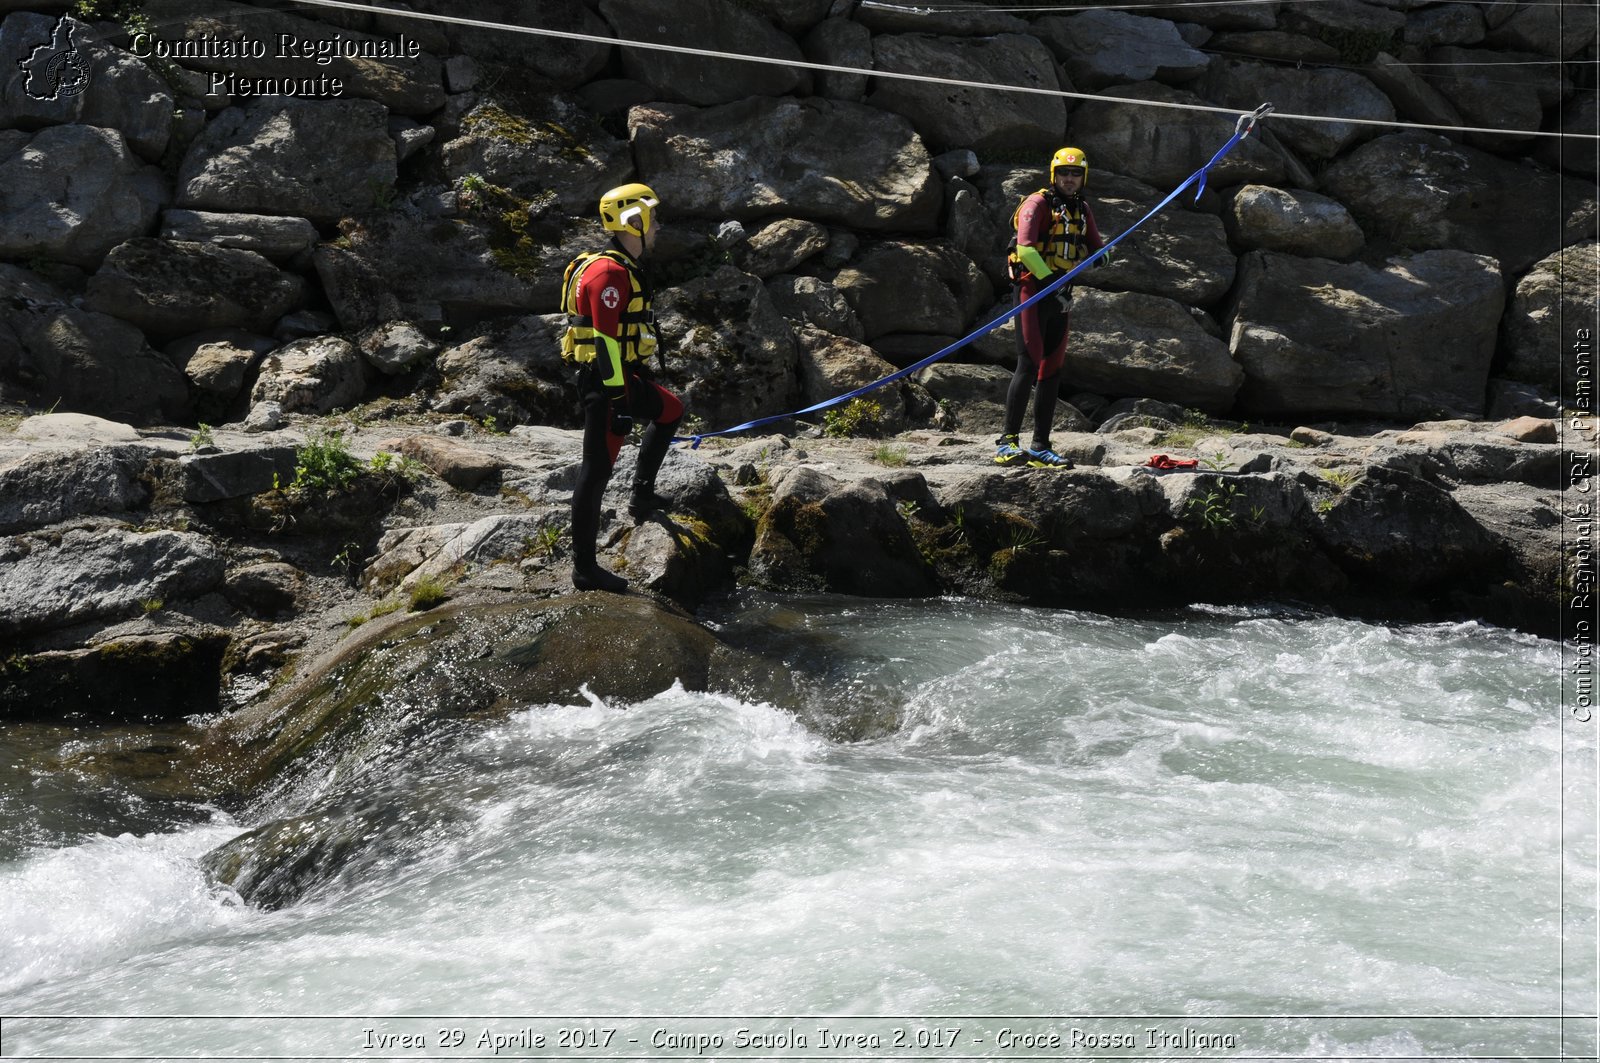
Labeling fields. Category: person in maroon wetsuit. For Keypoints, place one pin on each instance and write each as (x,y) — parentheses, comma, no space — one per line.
(1055,231)
(611,335)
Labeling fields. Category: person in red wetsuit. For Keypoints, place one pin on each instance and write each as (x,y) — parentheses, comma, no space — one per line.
(610,336)
(1055,231)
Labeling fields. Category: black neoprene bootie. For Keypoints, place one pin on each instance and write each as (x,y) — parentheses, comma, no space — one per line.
(652,449)
(587,575)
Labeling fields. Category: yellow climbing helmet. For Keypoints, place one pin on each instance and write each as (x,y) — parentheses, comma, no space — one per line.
(629,208)
(1070,158)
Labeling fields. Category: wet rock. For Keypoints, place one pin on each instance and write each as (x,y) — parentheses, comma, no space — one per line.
(71,193)
(830,161)
(159,676)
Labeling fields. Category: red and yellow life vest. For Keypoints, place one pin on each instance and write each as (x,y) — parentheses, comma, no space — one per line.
(1065,245)
(581,342)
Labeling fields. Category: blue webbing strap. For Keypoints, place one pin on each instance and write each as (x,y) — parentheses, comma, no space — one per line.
(1242,129)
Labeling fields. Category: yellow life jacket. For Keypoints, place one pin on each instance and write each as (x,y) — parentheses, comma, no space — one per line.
(581,343)
(1065,245)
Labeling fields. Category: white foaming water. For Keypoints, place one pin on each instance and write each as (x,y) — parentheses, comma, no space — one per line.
(1230,813)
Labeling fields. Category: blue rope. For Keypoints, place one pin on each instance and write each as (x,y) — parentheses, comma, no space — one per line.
(1241,130)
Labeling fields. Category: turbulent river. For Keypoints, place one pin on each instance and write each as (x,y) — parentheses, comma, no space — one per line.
(1212,833)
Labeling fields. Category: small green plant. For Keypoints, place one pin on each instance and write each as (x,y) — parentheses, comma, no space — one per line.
(324,463)
(545,542)
(907,509)
(17,662)
(889,454)
(202,437)
(383,194)
(1217,461)
(1325,505)
(1214,509)
(1024,537)
(492,426)
(151,605)
(1343,479)
(426,593)
(858,417)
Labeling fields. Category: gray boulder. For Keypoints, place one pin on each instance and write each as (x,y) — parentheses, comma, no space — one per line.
(1444,24)
(56,355)
(274,237)
(235,473)
(730,355)
(1246,85)
(1351,24)
(831,366)
(512,372)
(71,193)
(1259,217)
(833,162)
(1498,90)
(1560,30)
(1125,343)
(839,42)
(791,16)
(953,116)
(779,246)
(172,289)
(1552,300)
(312,376)
(52,486)
(901,286)
(396,347)
(1423,191)
(553,147)
(1179,254)
(1415,98)
(398,82)
(1413,339)
(218,363)
(121,93)
(815,302)
(321,159)
(1102,48)
(716,25)
(54,581)
(1164,148)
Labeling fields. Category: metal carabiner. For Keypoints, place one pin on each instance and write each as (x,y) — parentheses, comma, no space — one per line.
(1247,122)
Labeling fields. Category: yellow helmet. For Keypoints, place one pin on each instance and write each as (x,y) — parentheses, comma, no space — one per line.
(1070,158)
(629,208)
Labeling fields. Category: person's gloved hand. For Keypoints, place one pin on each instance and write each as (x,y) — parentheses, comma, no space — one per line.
(621,423)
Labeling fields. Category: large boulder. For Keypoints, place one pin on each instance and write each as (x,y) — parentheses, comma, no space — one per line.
(815,302)
(1246,85)
(904,286)
(51,486)
(52,581)
(729,353)
(1415,97)
(513,372)
(1164,149)
(122,92)
(319,159)
(1179,254)
(716,25)
(830,161)
(1125,343)
(1259,217)
(275,237)
(1423,191)
(1560,30)
(71,193)
(389,74)
(1552,301)
(171,289)
(312,376)
(1413,339)
(1107,47)
(954,116)
(552,146)
(844,536)
(1498,90)
(57,355)
(831,366)
(839,42)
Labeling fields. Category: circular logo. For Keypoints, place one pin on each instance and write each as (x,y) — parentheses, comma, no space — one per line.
(67,74)
(611,297)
